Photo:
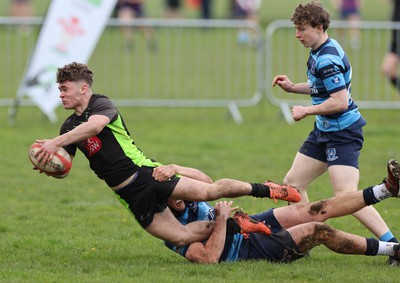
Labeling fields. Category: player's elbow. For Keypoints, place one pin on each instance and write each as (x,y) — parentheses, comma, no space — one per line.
(97,128)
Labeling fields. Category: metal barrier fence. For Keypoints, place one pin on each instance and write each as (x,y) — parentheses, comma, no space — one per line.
(169,63)
(204,63)
(17,39)
(370,89)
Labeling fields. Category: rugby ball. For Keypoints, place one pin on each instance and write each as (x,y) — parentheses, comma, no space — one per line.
(58,166)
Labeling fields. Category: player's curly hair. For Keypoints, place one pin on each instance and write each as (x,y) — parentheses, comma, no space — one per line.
(75,72)
(312,13)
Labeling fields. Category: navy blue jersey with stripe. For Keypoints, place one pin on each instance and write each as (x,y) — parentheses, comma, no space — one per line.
(329,71)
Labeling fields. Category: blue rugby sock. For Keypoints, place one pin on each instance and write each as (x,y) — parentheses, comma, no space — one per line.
(388,237)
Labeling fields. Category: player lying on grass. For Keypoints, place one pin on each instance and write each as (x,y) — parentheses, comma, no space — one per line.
(292,231)
(98,130)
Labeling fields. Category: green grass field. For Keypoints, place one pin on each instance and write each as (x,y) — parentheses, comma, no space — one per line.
(75,230)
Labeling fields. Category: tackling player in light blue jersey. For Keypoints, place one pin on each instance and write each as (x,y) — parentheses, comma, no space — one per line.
(294,229)
(335,142)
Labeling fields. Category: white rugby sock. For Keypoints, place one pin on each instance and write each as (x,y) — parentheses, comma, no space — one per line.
(380,192)
(386,248)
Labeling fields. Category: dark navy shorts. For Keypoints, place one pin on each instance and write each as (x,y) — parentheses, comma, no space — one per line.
(334,148)
(145,196)
(278,247)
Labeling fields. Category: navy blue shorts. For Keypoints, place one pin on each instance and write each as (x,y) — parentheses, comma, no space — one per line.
(145,196)
(278,247)
(334,148)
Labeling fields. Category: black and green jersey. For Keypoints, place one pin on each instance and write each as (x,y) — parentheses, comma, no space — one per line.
(112,154)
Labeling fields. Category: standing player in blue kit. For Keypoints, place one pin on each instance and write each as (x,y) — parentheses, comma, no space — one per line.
(335,142)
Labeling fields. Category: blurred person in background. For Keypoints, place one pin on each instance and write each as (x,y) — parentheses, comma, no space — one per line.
(173,9)
(390,62)
(22,8)
(127,10)
(206,9)
(349,10)
(246,10)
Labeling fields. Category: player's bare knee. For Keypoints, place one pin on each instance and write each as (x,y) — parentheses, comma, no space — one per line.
(185,237)
(323,232)
(288,180)
(315,234)
(182,238)
(179,242)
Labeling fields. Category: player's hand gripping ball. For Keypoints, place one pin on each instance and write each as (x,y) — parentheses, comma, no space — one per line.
(58,166)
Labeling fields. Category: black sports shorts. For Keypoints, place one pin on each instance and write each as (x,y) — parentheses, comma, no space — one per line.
(145,196)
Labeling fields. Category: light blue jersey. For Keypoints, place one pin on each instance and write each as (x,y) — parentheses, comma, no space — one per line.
(329,71)
(198,211)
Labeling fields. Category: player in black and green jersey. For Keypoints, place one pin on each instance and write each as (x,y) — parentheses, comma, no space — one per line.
(97,129)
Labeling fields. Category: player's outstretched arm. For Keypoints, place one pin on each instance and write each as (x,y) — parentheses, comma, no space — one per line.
(92,127)
(163,172)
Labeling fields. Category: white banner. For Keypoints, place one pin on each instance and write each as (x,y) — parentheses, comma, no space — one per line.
(69,33)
